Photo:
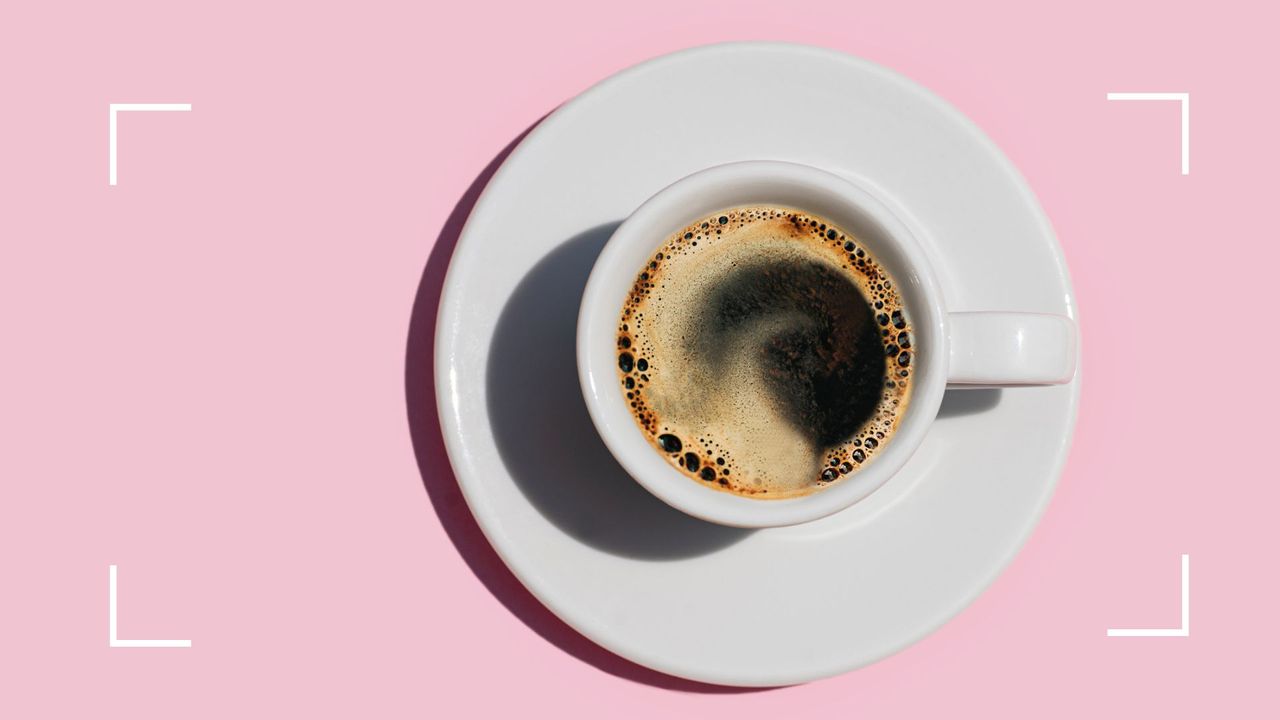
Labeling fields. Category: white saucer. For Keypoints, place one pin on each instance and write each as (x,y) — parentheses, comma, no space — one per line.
(696,600)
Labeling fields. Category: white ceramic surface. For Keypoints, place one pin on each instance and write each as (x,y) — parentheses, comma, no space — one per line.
(1008,349)
(698,600)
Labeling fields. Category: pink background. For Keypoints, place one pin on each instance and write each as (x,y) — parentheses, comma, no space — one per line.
(203,367)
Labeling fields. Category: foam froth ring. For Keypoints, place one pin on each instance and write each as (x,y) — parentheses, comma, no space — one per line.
(765,352)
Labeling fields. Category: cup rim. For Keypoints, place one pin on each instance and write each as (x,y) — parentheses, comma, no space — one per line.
(612,275)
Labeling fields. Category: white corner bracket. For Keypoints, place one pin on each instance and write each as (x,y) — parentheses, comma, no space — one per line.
(126,107)
(116,642)
(1185,99)
(1184,631)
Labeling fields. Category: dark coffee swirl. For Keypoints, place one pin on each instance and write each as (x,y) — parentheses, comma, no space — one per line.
(764,351)
(816,341)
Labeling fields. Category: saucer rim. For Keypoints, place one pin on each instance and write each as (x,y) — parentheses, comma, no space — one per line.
(460,457)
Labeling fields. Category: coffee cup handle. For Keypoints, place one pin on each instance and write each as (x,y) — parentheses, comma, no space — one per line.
(1008,349)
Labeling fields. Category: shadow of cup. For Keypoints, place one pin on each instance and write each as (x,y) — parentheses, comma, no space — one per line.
(545,435)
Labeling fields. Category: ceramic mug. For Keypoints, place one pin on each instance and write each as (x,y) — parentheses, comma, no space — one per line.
(953,350)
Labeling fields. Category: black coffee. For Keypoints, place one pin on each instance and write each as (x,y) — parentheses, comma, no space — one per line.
(764,351)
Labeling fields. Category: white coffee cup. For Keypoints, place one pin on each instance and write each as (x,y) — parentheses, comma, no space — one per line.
(952,350)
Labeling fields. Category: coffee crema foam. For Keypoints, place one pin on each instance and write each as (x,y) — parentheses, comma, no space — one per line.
(765,352)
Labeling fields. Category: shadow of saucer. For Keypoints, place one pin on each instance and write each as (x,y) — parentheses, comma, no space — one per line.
(442,487)
(545,435)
